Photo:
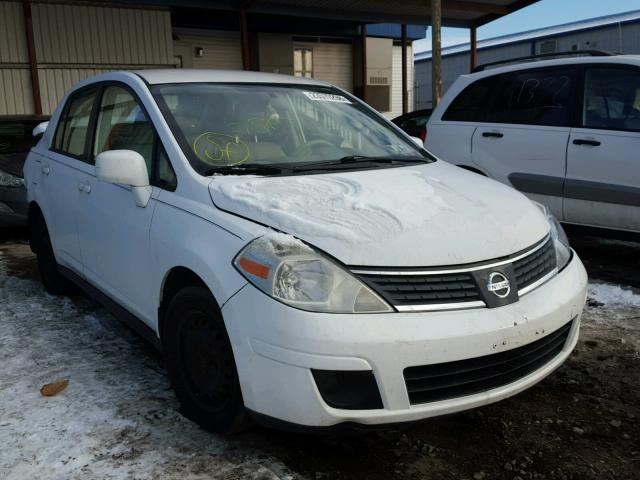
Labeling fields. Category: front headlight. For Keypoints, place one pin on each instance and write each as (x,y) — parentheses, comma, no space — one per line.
(8,180)
(559,237)
(292,272)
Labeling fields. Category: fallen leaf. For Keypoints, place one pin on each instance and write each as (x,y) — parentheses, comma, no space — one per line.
(51,389)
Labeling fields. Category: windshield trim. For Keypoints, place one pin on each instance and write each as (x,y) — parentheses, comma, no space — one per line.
(193,159)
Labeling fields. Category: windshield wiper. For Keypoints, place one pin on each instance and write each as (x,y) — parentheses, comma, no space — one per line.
(358,159)
(247,169)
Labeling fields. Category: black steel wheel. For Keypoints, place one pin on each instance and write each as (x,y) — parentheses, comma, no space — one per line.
(200,362)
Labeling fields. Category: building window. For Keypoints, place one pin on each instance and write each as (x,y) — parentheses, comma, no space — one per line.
(303,62)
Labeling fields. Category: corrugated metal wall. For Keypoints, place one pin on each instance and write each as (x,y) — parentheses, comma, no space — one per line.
(396,81)
(84,34)
(332,62)
(74,42)
(15,82)
(222,50)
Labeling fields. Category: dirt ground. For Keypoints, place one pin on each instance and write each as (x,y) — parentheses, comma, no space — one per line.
(118,420)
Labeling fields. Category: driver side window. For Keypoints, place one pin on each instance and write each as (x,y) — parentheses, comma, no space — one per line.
(122,124)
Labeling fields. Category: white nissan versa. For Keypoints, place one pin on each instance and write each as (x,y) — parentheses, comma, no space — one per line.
(298,258)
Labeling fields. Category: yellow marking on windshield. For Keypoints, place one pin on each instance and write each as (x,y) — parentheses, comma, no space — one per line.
(221,149)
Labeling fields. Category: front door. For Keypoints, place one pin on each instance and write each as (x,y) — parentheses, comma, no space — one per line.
(603,160)
(114,232)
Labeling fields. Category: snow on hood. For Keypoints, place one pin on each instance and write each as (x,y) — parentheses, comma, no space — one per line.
(432,214)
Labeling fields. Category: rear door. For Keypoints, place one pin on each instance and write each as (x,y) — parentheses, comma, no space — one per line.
(522,140)
(60,174)
(603,159)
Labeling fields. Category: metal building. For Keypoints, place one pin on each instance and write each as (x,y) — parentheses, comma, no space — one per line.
(361,45)
(71,41)
(616,33)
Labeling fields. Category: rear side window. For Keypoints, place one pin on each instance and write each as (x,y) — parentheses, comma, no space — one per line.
(539,97)
(73,127)
(469,105)
(612,99)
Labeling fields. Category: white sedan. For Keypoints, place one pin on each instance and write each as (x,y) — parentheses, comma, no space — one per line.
(298,258)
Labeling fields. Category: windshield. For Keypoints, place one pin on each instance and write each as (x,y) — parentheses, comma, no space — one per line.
(222,127)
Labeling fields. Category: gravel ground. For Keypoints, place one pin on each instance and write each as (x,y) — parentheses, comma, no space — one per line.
(117,418)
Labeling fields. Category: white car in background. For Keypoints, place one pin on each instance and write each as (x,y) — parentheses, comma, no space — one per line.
(566,132)
(298,258)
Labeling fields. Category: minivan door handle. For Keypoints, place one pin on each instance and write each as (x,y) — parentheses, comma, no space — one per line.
(492,134)
(586,141)
(84,187)
(45,169)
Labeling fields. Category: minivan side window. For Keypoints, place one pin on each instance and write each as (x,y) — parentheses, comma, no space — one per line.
(122,124)
(611,99)
(537,97)
(73,127)
(469,105)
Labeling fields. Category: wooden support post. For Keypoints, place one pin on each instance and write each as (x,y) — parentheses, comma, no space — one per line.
(244,39)
(405,73)
(436,52)
(33,65)
(474,48)
(363,55)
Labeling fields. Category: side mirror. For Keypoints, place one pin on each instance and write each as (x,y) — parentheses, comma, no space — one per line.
(418,141)
(40,129)
(125,167)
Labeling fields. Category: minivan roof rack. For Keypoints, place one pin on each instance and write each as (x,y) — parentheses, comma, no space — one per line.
(575,53)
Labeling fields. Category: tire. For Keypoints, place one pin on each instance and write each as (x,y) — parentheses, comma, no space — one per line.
(53,281)
(200,362)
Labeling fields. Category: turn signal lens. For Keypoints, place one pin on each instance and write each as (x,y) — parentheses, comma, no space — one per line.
(253,268)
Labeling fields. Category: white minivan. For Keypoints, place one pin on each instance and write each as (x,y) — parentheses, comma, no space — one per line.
(566,132)
(298,259)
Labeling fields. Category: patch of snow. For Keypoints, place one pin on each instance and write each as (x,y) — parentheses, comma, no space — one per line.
(613,295)
(117,419)
(339,206)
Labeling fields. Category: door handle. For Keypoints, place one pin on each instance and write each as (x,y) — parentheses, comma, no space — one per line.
(586,141)
(45,169)
(84,187)
(492,134)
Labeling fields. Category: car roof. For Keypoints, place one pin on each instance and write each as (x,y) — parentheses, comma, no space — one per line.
(182,75)
(613,59)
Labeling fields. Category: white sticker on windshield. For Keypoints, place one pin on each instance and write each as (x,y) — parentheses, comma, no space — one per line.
(326,97)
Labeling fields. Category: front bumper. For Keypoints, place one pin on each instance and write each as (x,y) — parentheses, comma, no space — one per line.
(276,347)
(13,206)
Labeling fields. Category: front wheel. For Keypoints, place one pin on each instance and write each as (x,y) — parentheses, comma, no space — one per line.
(201,364)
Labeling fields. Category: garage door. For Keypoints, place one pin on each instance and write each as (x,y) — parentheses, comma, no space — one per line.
(332,62)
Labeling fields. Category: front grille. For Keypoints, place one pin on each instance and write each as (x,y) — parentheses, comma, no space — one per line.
(533,267)
(406,290)
(441,381)
(460,286)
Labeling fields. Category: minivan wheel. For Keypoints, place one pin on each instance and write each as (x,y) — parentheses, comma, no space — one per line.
(200,362)
(53,281)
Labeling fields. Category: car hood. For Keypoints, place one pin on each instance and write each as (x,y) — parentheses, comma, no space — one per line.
(416,216)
